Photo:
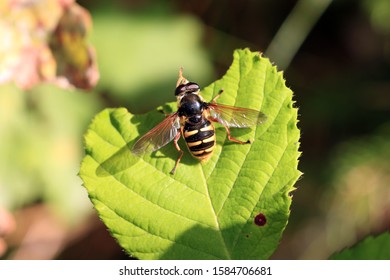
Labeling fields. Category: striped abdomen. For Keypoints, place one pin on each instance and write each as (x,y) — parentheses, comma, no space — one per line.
(200,138)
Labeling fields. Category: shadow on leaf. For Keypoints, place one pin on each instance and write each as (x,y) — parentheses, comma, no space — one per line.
(240,241)
(118,162)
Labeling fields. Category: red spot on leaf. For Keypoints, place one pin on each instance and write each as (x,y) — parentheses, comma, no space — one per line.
(260,219)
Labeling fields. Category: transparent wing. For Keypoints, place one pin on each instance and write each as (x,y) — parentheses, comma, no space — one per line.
(236,116)
(159,136)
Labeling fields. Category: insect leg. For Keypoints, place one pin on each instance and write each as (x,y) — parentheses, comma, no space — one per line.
(217,96)
(177,137)
(234,139)
(228,133)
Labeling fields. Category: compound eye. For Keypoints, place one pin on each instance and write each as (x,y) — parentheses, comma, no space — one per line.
(180,89)
(192,87)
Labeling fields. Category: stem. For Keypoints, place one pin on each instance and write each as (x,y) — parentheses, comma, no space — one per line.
(294,30)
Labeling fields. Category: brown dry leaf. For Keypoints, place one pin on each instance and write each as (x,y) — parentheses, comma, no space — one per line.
(45,41)
(75,59)
(7,226)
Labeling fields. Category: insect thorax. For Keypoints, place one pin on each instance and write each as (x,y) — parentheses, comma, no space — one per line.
(191,106)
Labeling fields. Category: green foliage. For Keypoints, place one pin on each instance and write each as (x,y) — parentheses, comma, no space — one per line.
(139,56)
(371,248)
(204,211)
(379,12)
(359,175)
(40,148)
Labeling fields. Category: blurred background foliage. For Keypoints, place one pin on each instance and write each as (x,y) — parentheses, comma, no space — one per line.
(335,56)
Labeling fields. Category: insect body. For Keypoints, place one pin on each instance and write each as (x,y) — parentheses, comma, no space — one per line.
(194,119)
(198,132)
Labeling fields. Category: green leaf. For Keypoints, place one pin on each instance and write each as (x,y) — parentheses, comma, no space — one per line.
(204,211)
(371,248)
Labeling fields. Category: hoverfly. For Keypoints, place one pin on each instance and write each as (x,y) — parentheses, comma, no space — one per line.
(194,121)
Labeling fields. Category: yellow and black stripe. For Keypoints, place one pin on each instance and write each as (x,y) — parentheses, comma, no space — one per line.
(200,138)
